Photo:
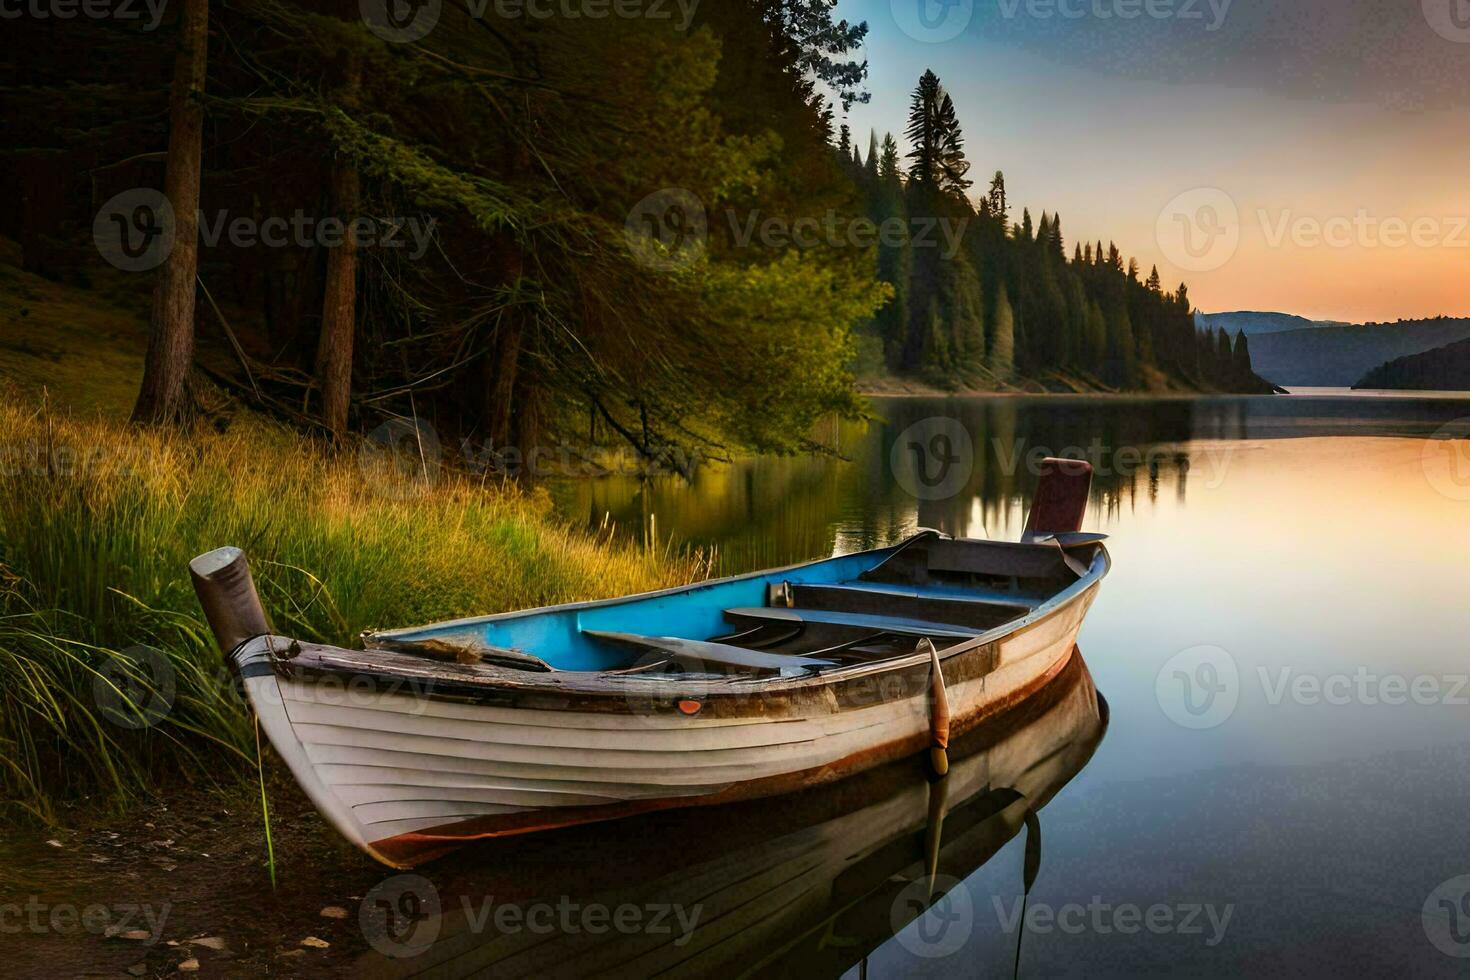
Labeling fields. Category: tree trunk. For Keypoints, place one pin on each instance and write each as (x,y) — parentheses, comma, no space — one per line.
(163,396)
(339,304)
(528,427)
(501,369)
(339,308)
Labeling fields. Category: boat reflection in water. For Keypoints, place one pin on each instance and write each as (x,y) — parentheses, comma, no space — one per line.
(810,883)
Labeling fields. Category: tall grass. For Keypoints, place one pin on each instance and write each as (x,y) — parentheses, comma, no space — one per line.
(98,523)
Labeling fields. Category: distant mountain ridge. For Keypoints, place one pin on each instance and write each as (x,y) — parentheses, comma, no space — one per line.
(1339,356)
(1256,323)
(1444,368)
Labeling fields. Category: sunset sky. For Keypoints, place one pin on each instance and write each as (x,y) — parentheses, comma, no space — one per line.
(1328,127)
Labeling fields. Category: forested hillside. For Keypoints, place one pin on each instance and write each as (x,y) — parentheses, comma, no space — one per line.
(1445,368)
(984,298)
(1340,356)
(560,228)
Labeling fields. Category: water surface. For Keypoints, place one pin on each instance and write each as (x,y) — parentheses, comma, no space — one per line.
(1282,641)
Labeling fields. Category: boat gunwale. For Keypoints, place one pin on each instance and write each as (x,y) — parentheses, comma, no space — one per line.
(455,624)
(487,681)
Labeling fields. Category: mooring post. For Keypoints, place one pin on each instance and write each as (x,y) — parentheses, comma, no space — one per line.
(1060,504)
(227,592)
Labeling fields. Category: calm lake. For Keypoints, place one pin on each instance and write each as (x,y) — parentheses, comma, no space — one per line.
(1282,786)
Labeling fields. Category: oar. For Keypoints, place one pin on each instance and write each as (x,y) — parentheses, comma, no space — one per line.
(938,712)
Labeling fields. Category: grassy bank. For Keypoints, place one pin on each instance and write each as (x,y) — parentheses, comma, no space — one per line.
(98,522)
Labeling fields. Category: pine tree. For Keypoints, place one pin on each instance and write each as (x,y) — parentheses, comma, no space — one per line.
(953,167)
(966,311)
(1095,338)
(1121,360)
(888,167)
(999,207)
(1003,338)
(1048,335)
(936,350)
(1154,284)
(1242,362)
(1224,356)
(939,145)
(923,131)
(825,118)
(895,260)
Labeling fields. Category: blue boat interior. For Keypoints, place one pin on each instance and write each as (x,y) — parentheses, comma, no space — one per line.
(851,609)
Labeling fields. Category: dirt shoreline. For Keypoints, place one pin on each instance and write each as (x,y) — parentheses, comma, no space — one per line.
(183,888)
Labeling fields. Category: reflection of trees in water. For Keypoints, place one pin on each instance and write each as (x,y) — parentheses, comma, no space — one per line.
(766,512)
(1134,447)
(757,512)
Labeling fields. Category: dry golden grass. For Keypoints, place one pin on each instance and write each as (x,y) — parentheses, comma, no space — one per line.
(98,522)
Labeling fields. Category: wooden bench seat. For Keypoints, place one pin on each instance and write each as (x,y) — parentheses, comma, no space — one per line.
(694,653)
(756,615)
(866,600)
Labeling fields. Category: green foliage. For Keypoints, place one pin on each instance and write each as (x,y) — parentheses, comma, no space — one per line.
(1003,339)
(778,332)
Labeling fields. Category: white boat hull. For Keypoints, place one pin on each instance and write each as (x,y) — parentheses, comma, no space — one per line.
(407,777)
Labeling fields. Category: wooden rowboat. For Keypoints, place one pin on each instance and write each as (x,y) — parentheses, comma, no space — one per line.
(735,689)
